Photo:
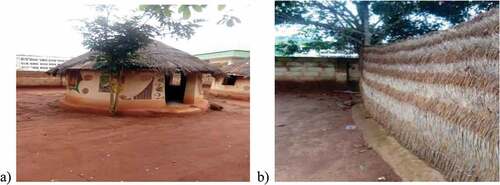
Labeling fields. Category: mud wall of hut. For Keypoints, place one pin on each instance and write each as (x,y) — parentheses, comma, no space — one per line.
(240,90)
(438,95)
(316,69)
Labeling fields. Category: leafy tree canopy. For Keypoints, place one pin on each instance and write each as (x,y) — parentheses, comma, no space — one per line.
(338,27)
(184,27)
(116,39)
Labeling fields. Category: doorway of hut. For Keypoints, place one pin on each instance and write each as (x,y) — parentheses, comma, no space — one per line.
(175,85)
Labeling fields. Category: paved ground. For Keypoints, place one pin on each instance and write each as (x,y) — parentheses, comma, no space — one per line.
(54,144)
(313,144)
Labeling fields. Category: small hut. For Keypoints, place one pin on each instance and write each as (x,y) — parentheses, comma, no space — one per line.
(170,82)
(235,84)
(221,59)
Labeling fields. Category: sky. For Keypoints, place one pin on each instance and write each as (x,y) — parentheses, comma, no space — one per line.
(49,29)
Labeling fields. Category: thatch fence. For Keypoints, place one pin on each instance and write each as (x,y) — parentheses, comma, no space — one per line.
(438,95)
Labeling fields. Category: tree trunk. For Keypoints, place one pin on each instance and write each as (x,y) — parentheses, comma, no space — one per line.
(364,16)
(115,93)
(111,100)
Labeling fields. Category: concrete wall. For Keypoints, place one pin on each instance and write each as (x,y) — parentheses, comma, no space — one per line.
(438,95)
(301,69)
(37,79)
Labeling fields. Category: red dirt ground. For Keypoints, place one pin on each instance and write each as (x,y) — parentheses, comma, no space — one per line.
(58,145)
(313,144)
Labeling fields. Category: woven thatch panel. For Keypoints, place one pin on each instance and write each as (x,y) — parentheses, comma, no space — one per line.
(487,67)
(468,98)
(438,95)
(446,52)
(460,154)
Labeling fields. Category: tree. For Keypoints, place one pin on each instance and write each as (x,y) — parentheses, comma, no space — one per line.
(116,42)
(348,30)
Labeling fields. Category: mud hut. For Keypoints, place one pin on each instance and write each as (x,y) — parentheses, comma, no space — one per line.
(170,82)
(235,84)
(221,59)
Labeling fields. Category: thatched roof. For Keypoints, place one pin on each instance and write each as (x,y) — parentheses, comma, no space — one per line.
(156,56)
(239,68)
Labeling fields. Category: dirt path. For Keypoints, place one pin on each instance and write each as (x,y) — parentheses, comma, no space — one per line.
(54,144)
(313,144)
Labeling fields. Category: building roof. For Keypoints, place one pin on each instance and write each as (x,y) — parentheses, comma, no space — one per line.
(156,56)
(224,54)
(42,56)
(238,68)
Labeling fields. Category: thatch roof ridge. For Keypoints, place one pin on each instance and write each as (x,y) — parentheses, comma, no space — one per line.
(156,56)
(241,68)
(483,24)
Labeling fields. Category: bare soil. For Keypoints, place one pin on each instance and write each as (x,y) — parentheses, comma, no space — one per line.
(54,144)
(317,140)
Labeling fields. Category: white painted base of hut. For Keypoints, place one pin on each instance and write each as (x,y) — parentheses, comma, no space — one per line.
(143,93)
(128,108)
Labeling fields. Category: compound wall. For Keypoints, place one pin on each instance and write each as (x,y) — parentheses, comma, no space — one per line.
(37,79)
(316,69)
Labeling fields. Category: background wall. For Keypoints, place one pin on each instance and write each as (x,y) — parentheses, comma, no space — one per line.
(438,95)
(37,79)
(315,69)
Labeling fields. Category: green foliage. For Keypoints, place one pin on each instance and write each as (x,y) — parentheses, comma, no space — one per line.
(116,42)
(229,21)
(221,7)
(401,20)
(287,48)
(341,29)
(168,25)
(289,12)
(186,11)
(198,8)
(163,14)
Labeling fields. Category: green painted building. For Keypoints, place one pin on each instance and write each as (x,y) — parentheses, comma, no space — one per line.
(224,54)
